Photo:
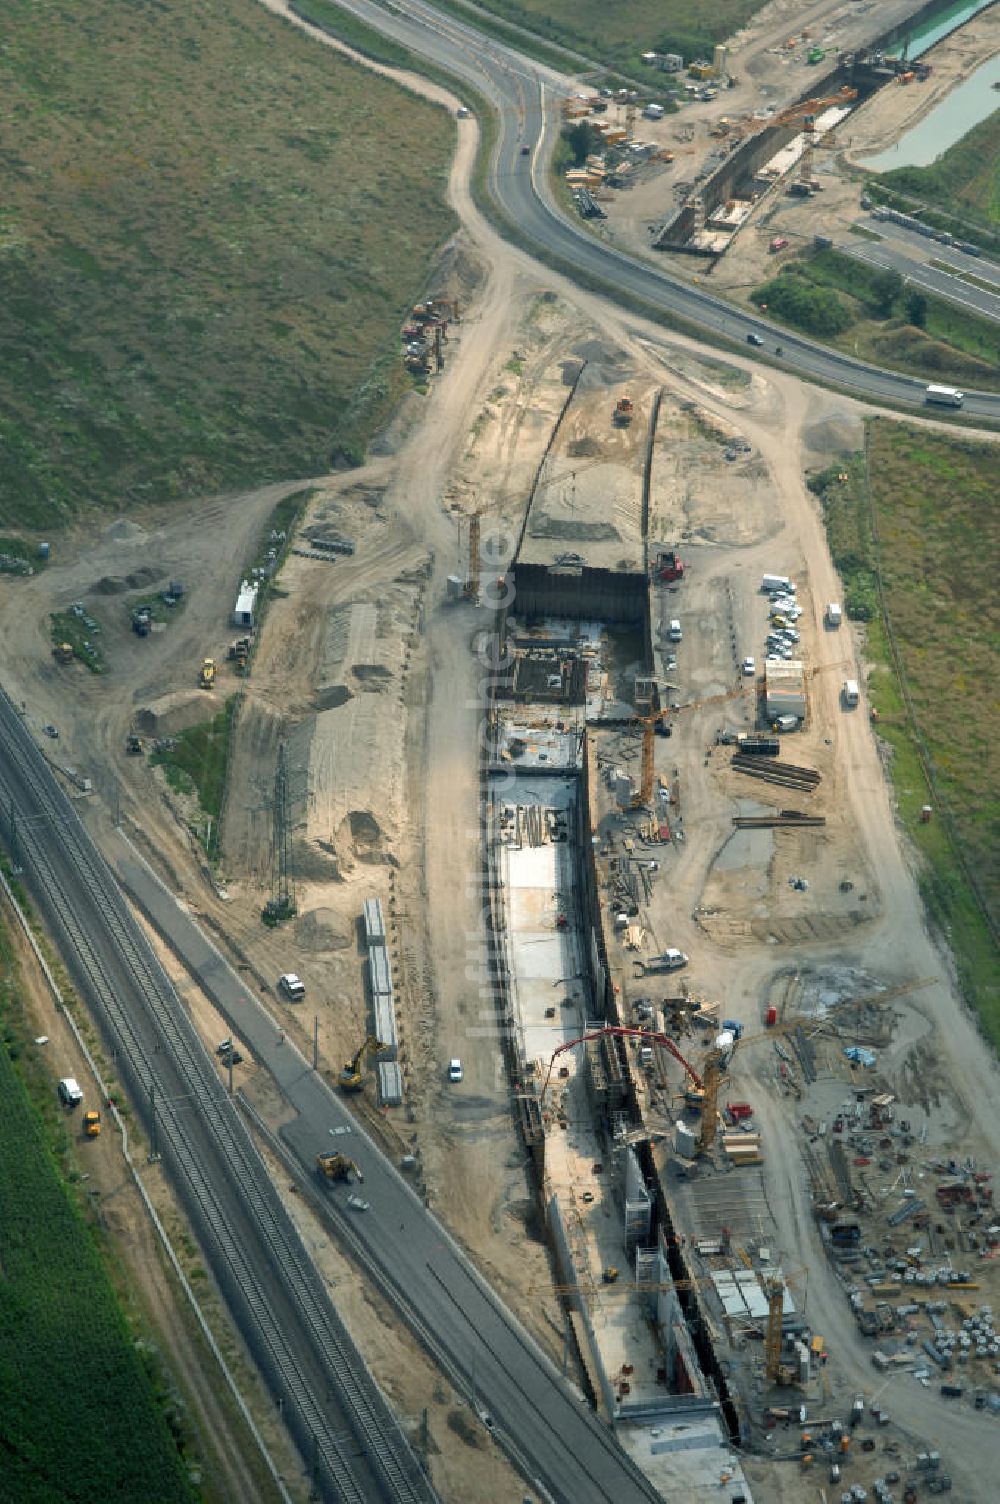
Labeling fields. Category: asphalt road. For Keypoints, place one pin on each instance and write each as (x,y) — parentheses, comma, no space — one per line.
(350,1439)
(553,1436)
(525,94)
(897,256)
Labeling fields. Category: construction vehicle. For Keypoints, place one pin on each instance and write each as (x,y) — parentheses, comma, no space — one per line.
(206,678)
(91,1123)
(623,413)
(63,652)
(471,588)
(668,567)
(338,1167)
(134,745)
(238,652)
(142,621)
(352,1077)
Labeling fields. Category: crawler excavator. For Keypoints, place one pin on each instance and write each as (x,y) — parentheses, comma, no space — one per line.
(338,1167)
(352,1077)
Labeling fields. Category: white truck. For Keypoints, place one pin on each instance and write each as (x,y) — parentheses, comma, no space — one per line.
(834,614)
(944,396)
(772,584)
(851,693)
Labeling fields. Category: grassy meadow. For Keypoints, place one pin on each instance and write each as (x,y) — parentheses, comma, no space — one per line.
(837,298)
(964,182)
(210,230)
(933,499)
(85,1411)
(618,37)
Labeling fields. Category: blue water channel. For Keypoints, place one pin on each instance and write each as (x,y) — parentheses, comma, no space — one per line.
(941,25)
(948,122)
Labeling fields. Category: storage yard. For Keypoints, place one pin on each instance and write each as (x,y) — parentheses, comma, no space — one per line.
(555,838)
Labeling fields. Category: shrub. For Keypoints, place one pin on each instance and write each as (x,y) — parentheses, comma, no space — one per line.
(817,310)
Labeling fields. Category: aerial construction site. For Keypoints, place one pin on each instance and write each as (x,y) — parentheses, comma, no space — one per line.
(548,929)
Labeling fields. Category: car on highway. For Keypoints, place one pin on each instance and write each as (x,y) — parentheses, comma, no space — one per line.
(754,339)
(455,1072)
(525,151)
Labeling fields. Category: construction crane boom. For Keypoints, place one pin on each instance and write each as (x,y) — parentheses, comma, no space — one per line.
(644,794)
(648,1036)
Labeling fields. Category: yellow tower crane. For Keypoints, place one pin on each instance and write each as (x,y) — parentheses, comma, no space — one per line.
(644,794)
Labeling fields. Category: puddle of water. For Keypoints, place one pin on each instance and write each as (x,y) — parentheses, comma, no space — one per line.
(947,123)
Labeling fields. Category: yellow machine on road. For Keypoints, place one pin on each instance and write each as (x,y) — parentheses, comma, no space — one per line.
(338,1167)
(352,1077)
(207,676)
(92,1123)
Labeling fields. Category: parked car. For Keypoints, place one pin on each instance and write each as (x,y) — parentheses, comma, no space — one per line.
(455,1072)
(292,986)
(749,667)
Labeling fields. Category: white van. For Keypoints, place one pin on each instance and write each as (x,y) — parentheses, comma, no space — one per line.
(944,396)
(674,631)
(775,582)
(834,614)
(292,987)
(69,1092)
(851,693)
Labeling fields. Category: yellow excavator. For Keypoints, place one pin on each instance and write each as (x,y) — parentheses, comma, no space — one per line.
(337,1167)
(351,1077)
(206,677)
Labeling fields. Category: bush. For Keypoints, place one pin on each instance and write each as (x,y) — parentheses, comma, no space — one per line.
(817,310)
(916,309)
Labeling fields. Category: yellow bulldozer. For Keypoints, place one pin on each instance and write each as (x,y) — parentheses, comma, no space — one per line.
(207,676)
(92,1123)
(352,1076)
(338,1167)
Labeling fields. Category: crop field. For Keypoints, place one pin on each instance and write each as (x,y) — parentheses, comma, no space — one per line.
(211,229)
(81,1418)
(933,499)
(619,35)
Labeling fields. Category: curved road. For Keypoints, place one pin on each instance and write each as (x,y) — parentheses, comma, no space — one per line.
(524,94)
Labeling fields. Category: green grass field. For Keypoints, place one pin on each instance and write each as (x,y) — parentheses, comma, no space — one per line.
(83,1413)
(934,501)
(620,35)
(954,345)
(210,230)
(198,763)
(964,181)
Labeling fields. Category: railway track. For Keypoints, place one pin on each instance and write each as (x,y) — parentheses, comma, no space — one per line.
(351,1442)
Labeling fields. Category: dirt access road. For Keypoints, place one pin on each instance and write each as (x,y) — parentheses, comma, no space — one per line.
(466,1136)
